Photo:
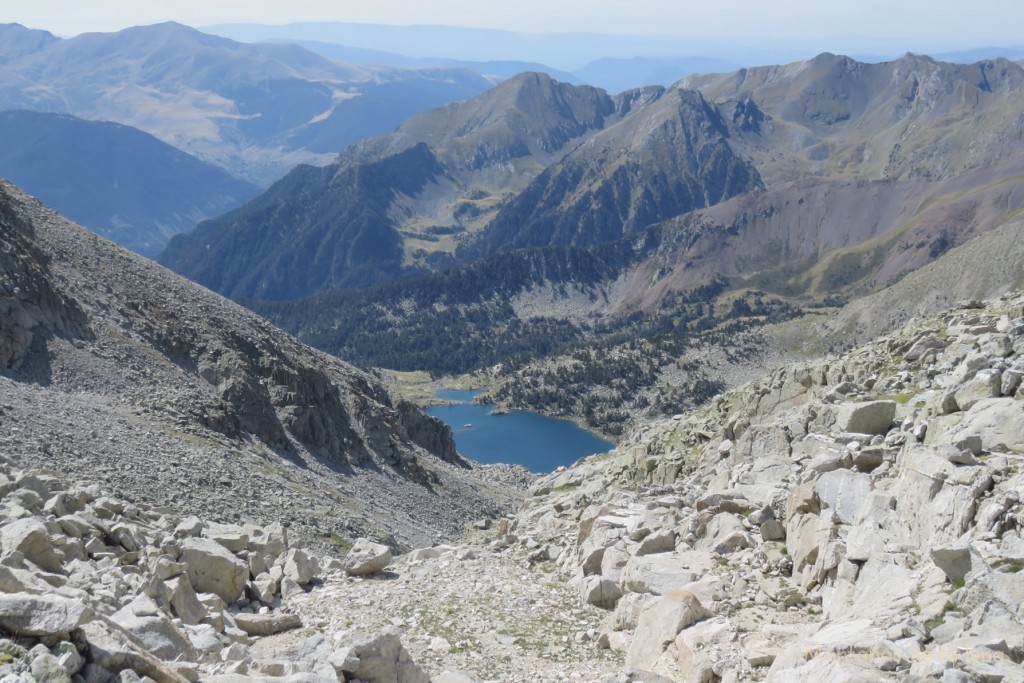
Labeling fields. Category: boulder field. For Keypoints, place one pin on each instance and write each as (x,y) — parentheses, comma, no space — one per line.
(856,518)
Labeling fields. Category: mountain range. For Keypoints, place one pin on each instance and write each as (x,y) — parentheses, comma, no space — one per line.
(466,177)
(612,74)
(114,179)
(539,216)
(255,110)
(533,163)
(832,116)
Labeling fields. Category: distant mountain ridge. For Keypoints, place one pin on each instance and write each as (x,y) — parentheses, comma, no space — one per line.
(491,172)
(118,181)
(533,162)
(366,56)
(256,110)
(570,257)
(832,116)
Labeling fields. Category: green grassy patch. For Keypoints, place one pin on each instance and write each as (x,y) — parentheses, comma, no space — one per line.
(902,399)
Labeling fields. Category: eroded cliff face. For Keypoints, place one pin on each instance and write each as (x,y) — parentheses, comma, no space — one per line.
(858,516)
(29,305)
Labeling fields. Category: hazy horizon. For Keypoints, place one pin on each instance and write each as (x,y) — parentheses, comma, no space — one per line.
(797,25)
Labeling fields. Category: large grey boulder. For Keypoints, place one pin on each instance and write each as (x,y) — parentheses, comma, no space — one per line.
(998,421)
(868,417)
(660,623)
(30,537)
(657,574)
(146,622)
(184,601)
(922,346)
(956,559)
(985,384)
(600,591)
(383,659)
(366,557)
(41,615)
(658,542)
(300,567)
(47,668)
(111,648)
(937,500)
(211,568)
(231,537)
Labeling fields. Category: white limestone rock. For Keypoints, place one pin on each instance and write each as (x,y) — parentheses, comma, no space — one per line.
(30,537)
(868,417)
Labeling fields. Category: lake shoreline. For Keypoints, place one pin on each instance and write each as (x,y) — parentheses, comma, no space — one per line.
(539,442)
(420,388)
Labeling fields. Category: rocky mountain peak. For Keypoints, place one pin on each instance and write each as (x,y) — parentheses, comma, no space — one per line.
(528,115)
(16,41)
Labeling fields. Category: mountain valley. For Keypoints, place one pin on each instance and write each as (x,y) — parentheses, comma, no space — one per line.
(792,297)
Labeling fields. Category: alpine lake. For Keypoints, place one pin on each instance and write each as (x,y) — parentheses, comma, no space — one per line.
(537,442)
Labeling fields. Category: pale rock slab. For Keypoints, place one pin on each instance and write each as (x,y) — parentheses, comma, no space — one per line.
(614,561)
(383,658)
(985,384)
(41,615)
(600,591)
(213,569)
(111,648)
(658,542)
(843,491)
(656,574)
(30,537)
(869,417)
(267,624)
(956,560)
(47,668)
(366,557)
(999,422)
(697,646)
(300,567)
(628,609)
(936,499)
(184,602)
(659,624)
(144,620)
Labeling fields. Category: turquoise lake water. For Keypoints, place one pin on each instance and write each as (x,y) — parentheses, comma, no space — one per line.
(535,441)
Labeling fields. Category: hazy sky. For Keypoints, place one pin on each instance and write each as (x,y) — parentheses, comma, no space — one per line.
(901,24)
